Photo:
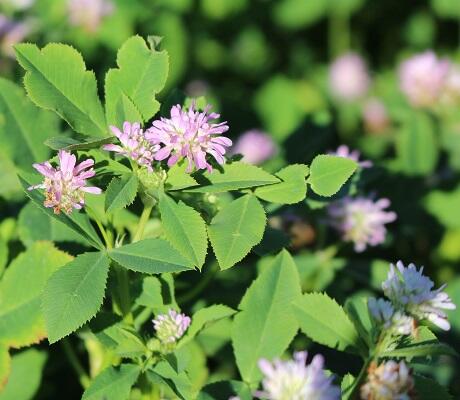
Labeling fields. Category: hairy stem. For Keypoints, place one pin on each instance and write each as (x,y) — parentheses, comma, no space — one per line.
(142,222)
(75,363)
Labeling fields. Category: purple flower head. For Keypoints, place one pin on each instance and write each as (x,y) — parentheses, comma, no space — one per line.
(410,290)
(384,314)
(294,379)
(189,134)
(348,77)
(375,116)
(345,152)
(171,327)
(255,146)
(88,14)
(389,381)
(361,220)
(134,144)
(422,78)
(65,185)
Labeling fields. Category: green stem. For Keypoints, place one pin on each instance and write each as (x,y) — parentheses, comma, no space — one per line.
(105,236)
(75,363)
(354,392)
(142,222)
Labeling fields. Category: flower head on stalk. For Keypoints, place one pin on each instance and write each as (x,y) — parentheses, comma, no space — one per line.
(171,327)
(422,78)
(361,220)
(255,146)
(133,144)
(388,381)
(348,77)
(189,134)
(410,290)
(295,380)
(391,320)
(345,152)
(65,185)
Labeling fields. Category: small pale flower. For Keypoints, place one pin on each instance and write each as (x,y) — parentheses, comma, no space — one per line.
(65,185)
(255,146)
(383,312)
(375,116)
(389,381)
(295,380)
(409,289)
(134,144)
(345,152)
(89,14)
(189,134)
(171,327)
(348,77)
(361,220)
(422,78)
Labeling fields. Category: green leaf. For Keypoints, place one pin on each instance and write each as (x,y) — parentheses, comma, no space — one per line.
(417,145)
(26,375)
(178,179)
(444,207)
(113,383)
(150,295)
(5,366)
(4,251)
(184,229)
(21,319)
(234,176)
(70,144)
(123,340)
(266,324)
(329,173)
(34,224)
(424,349)
(23,127)
(121,192)
(347,385)
(74,294)
(179,382)
(141,74)
(203,317)
(76,221)
(291,190)
(57,79)
(428,389)
(325,322)
(236,229)
(150,256)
